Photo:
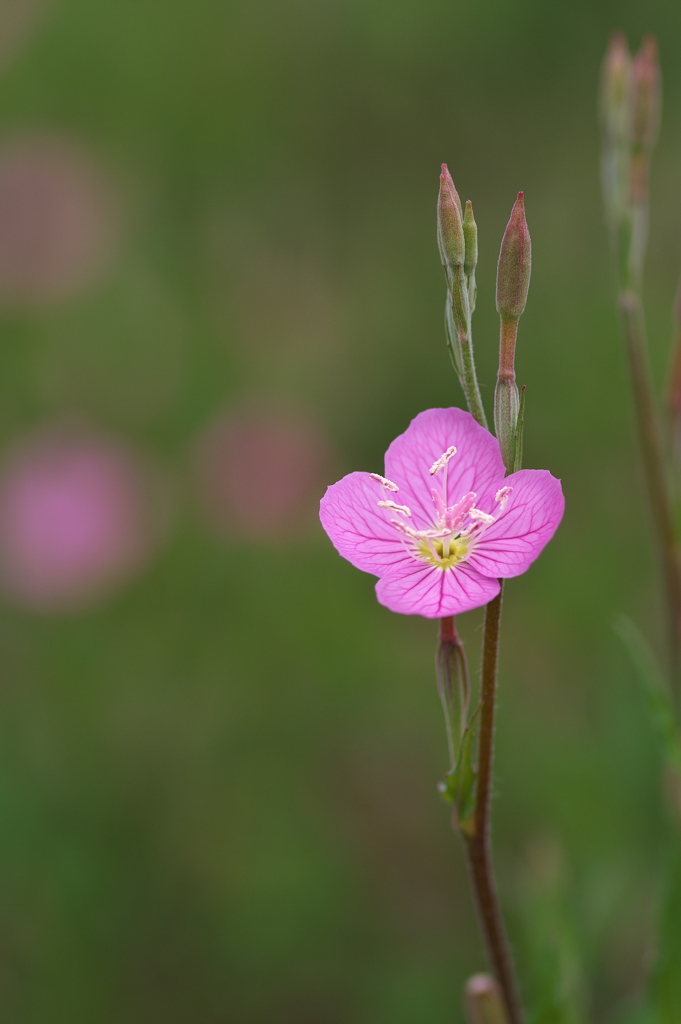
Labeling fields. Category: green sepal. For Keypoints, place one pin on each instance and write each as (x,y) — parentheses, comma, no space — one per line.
(459,787)
(520,426)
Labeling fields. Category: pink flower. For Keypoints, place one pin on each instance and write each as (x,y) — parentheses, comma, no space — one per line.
(296,454)
(444,524)
(58,220)
(75,519)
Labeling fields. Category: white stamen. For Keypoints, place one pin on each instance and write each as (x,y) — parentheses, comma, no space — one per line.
(394,507)
(502,496)
(443,460)
(483,517)
(388,484)
(413,534)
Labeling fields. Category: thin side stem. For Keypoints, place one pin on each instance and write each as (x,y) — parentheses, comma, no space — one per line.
(458,315)
(654,466)
(478,845)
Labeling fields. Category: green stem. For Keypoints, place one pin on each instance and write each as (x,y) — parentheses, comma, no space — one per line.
(458,319)
(478,844)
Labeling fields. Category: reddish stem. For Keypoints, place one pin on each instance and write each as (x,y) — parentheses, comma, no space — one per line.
(478,844)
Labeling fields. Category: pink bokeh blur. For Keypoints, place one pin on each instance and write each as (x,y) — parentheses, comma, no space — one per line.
(76,518)
(58,220)
(261,469)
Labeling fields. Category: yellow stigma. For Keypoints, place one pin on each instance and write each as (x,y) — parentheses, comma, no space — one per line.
(433,551)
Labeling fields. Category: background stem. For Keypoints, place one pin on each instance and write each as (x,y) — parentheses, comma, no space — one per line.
(654,467)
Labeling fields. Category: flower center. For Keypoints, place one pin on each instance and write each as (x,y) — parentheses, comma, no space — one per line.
(447,542)
(433,550)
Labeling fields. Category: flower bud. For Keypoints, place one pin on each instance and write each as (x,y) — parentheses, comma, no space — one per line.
(484,1004)
(515,263)
(470,237)
(453,685)
(450,235)
(645,95)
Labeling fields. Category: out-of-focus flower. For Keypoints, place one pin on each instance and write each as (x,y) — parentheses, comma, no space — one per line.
(444,524)
(57,220)
(260,470)
(17,18)
(76,519)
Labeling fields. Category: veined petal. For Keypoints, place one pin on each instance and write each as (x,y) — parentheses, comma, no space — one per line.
(431,592)
(360,530)
(476,466)
(529,520)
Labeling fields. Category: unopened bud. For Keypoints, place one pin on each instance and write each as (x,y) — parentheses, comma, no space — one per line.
(484,1004)
(470,237)
(645,99)
(515,263)
(452,679)
(615,84)
(450,236)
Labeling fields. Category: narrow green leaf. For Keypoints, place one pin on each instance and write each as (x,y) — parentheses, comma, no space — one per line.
(659,700)
(459,785)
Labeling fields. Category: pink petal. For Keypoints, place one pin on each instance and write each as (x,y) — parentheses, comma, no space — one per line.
(534,510)
(477,465)
(359,530)
(431,592)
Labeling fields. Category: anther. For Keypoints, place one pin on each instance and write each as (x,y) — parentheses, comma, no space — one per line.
(502,496)
(457,513)
(388,484)
(394,507)
(438,501)
(443,460)
(408,531)
(482,517)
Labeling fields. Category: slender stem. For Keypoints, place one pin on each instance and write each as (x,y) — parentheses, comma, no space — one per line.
(508,334)
(653,461)
(459,333)
(478,844)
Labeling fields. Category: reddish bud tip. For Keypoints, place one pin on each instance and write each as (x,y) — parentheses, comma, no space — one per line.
(615,84)
(645,100)
(484,1004)
(449,223)
(447,186)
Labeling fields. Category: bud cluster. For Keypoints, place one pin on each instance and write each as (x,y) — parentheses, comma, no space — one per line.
(630,116)
(457,236)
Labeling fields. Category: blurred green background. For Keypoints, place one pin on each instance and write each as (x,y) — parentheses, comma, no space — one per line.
(218,767)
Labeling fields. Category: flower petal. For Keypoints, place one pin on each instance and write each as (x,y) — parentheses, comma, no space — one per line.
(530,519)
(431,592)
(359,530)
(477,465)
